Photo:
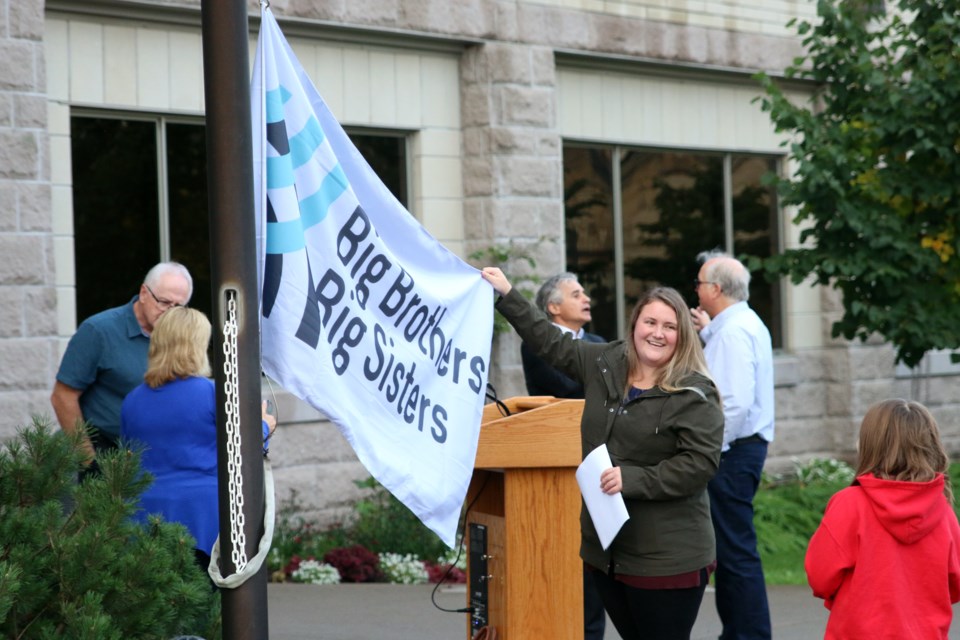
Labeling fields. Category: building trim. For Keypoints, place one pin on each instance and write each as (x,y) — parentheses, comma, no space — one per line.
(183,15)
(618,63)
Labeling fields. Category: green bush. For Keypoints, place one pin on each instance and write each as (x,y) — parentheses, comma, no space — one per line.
(788,512)
(296,539)
(381,524)
(384,525)
(72,562)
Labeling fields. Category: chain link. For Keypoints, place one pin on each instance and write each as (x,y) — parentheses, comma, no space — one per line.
(238,538)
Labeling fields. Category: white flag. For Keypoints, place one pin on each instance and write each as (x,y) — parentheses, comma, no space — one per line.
(364,315)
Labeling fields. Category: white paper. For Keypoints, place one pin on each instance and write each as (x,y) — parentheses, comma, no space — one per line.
(608,512)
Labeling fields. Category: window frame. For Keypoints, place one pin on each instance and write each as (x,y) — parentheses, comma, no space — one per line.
(616,155)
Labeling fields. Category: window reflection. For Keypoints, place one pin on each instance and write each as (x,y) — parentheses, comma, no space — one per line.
(588,196)
(119,212)
(673,206)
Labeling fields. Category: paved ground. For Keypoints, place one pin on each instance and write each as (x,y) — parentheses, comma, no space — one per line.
(397,612)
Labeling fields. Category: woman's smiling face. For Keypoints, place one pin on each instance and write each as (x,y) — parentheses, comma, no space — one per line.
(655,334)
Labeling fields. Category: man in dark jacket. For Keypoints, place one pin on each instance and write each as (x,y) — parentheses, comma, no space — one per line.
(563,300)
(567,305)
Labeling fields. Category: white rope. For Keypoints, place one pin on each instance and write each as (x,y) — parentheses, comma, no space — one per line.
(252,567)
(238,538)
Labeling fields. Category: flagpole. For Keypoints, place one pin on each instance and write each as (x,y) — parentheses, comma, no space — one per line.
(234,276)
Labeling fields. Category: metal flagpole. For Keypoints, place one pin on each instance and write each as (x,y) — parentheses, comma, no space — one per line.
(226,71)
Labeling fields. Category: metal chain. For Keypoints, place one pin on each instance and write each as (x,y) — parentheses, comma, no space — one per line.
(238,538)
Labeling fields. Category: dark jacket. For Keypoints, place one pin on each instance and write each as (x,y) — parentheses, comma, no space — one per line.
(667,445)
(544,380)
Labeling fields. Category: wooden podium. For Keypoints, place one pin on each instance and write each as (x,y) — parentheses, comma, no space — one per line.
(524,507)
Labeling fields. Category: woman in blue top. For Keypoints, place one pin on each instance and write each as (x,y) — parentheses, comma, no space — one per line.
(173,416)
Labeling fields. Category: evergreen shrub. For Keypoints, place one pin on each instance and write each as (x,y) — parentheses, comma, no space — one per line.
(72,562)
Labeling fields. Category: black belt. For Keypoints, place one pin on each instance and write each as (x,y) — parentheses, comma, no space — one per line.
(754,438)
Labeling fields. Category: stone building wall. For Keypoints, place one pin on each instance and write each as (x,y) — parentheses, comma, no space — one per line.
(28,308)
(512,192)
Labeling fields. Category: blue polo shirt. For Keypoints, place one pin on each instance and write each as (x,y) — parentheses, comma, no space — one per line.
(105,360)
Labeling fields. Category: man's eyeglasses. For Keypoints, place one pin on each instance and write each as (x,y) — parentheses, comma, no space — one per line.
(697,283)
(163,304)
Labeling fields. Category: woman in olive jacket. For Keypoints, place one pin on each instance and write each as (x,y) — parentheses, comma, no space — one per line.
(651,400)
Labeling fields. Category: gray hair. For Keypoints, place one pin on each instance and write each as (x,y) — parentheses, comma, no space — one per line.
(728,272)
(550,293)
(169,268)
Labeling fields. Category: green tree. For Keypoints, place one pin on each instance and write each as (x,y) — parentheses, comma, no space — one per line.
(877,181)
(73,564)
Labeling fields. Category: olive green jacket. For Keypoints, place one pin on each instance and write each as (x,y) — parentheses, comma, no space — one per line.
(667,445)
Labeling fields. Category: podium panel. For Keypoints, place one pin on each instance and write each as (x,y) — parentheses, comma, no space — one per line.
(525,507)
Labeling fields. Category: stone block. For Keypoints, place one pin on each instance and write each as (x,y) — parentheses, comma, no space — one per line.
(24,259)
(529,106)
(871,362)
(514,141)
(11,312)
(476,222)
(543,66)
(529,176)
(509,63)
(475,105)
(40,311)
(36,211)
(473,18)
(550,144)
(19,407)
(795,437)
(25,19)
(325,494)
(380,12)
(30,111)
(505,21)
(18,71)
(478,179)
(836,364)
(475,141)
(474,65)
(516,217)
(804,400)
(6,109)
(9,218)
(540,24)
(25,365)
(327,10)
(866,393)
(305,444)
(19,154)
(838,400)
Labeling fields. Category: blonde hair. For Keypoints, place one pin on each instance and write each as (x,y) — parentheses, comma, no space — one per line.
(178,346)
(900,440)
(689,354)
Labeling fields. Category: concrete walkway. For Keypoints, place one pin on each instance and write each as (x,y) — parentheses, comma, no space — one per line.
(399,612)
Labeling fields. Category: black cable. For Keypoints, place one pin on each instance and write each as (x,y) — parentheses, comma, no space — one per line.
(463,537)
(492,395)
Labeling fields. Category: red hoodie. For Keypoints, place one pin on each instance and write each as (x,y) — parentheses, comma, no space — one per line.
(886,560)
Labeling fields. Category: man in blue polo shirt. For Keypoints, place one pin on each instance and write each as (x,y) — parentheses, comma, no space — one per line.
(107,357)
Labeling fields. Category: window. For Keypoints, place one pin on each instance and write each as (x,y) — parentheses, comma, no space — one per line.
(140,196)
(637,218)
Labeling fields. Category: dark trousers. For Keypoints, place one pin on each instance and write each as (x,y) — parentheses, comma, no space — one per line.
(594,617)
(101,442)
(650,614)
(741,592)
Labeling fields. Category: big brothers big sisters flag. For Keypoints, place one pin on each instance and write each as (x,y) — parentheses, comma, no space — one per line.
(364,315)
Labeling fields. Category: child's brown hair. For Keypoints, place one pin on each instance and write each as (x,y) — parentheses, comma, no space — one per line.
(900,440)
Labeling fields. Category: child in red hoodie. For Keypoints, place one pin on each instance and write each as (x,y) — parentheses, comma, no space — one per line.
(886,557)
